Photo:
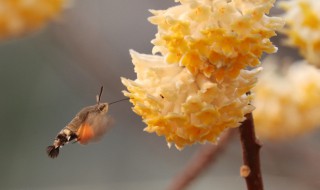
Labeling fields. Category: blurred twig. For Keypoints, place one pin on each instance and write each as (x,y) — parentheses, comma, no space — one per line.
(200,161)
(251,158)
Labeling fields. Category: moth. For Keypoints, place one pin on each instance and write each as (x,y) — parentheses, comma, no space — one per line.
(89,125)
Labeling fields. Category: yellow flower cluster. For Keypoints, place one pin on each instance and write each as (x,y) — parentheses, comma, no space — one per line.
(197,87)
(215,37)
(21,16)
(287,100)
(303,27)
(186,108)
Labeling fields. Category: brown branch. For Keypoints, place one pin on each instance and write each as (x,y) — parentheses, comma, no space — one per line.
(200,161)
(251,158)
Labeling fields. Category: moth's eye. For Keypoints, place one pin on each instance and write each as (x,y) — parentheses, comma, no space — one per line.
(101,107)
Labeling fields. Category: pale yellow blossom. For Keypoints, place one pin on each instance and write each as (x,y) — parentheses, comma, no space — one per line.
(215,37)
(18,17)
(303,27)
(197,87)
(287,100)
(183,107)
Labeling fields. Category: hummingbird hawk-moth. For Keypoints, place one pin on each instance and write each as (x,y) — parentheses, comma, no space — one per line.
(89,125)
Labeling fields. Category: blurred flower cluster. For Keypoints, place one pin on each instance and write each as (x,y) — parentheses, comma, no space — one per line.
(18,17)
(303,27)
(287,96)
(287,99)
(197,86)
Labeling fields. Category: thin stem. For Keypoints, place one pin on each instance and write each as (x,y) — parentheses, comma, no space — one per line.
(200,161)
(251,157)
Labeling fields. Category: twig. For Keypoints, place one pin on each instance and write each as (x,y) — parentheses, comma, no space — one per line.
(200,161)
(251,158)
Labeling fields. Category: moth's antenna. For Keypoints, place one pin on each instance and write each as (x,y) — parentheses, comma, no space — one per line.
(119,100)
(99,96)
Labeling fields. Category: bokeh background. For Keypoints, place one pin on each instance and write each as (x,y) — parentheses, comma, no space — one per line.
(48,76)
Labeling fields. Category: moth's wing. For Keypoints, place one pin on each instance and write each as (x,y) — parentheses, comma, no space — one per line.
(85,133)
(101,125)
(93,129)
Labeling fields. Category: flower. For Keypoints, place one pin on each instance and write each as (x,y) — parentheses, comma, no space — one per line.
(303,27)
(287,100)
(183,107)
(216,37)
(198,86)
(18,17)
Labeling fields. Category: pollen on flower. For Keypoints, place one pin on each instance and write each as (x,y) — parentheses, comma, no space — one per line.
(303,27)
(183,107)
(287,100)
(18,17)
(217,38)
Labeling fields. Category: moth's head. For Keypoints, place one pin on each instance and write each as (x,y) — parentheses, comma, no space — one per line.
(103,107)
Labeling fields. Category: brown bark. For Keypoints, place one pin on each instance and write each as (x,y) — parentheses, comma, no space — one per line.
(251,156)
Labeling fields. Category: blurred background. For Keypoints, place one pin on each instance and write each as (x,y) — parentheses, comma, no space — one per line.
(48,76)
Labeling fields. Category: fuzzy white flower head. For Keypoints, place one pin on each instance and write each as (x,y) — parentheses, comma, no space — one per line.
(183,107)
(303,27)
(287,100)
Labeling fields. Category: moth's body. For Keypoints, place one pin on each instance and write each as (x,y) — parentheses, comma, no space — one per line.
(87,126)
